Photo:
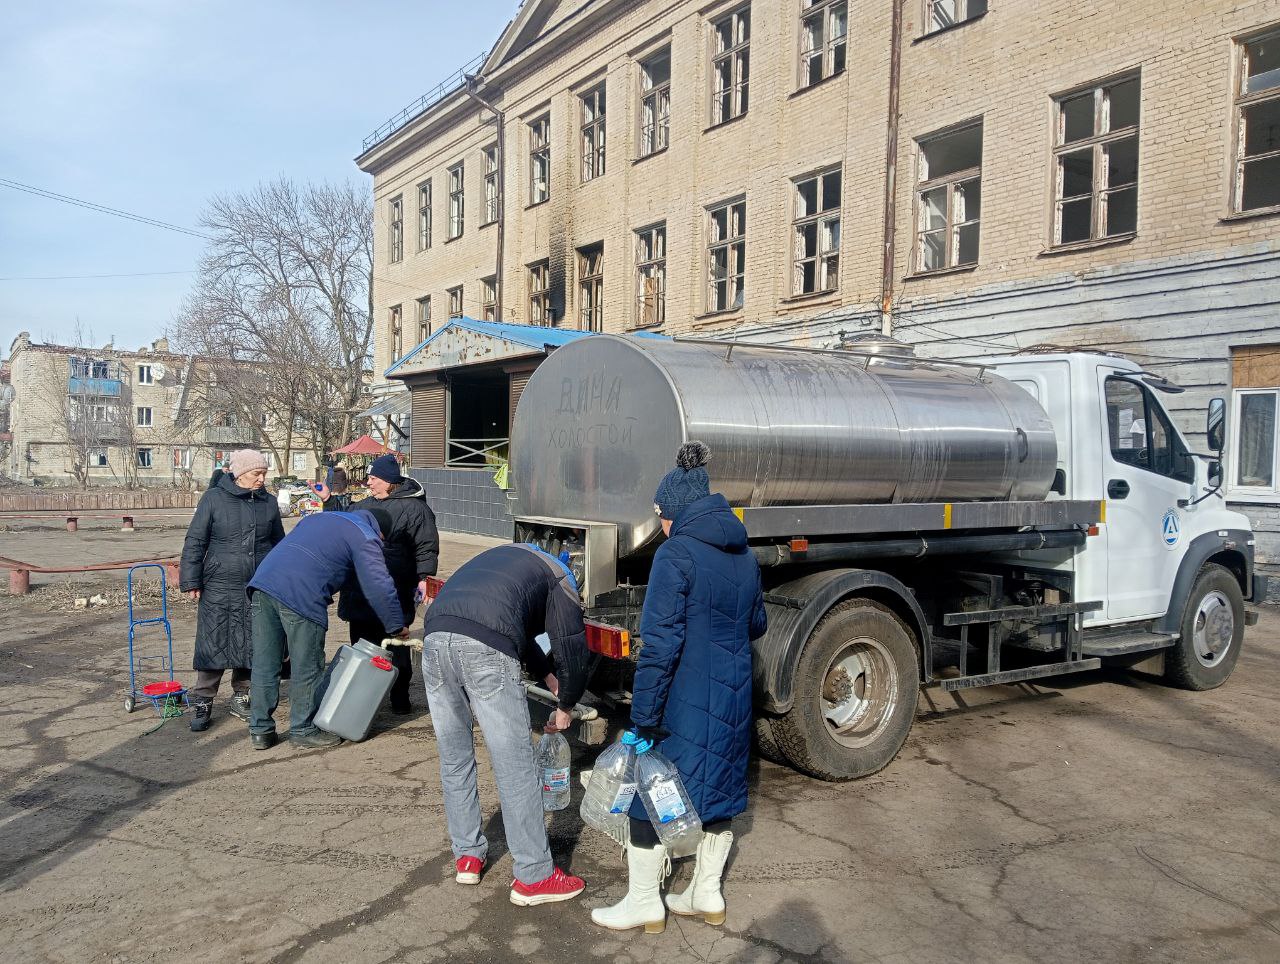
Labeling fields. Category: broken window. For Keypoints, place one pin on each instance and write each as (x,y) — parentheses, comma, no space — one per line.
(593,133)
(490,184)
(424,318)
(941,14)
(730,65)
(489,298)
(540,293)
(540,159)
(455,302)
(1257,180)
(651,276)
(456,208)
(726,256)
(655,102)
(424,215)
(824,28)
(591,287)
(815,228)
(144,458)
(1097,162)
(396,328)
(396,219)
(949,199)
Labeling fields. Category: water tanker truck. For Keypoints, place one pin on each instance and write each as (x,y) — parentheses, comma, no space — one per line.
(918,523)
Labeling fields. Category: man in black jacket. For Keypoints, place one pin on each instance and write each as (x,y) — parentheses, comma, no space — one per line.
(412,551)
(480,628)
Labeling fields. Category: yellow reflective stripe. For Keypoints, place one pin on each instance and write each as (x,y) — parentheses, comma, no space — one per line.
(1102,511)
(946,515)
(738,513)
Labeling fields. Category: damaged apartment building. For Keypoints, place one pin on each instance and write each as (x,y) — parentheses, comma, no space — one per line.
(972,177)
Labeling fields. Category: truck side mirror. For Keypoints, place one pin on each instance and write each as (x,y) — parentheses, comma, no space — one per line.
(1215,474)
(1216,425)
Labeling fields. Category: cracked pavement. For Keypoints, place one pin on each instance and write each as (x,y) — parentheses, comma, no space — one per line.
(1100,817)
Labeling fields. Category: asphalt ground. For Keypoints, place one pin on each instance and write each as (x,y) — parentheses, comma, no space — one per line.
(1105,817)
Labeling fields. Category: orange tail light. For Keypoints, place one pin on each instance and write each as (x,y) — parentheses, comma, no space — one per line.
(608,641)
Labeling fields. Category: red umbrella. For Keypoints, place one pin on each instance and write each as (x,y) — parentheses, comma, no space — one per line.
(364,445)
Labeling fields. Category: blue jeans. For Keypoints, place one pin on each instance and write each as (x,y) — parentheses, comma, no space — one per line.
(462,677)
(277,629)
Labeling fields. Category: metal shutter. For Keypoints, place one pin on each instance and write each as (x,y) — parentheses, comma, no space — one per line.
(518,381)
(426,442)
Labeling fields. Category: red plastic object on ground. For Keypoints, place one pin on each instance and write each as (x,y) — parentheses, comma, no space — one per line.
(163,688)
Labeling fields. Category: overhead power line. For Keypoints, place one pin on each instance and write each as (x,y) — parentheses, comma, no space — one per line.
(83,277)
(100,208)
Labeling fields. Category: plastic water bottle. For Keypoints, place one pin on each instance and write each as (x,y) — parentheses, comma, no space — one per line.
(665,798)
(552,758)
(612,788)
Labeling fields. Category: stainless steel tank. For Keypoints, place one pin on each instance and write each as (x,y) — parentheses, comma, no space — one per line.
(600,421)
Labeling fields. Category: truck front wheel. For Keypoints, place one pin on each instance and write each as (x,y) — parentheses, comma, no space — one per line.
(856,687)
(1212,631)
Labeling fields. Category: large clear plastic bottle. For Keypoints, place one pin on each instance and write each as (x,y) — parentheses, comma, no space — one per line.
(667,802)
(552,758)
(608,798)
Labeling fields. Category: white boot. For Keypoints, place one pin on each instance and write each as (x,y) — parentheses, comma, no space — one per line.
(702,898)
(647,867)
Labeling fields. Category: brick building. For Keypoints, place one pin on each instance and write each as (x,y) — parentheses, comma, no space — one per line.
(973,176)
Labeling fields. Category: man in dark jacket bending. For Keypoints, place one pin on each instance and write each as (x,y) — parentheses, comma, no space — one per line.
(411,546)
(291,591)
(478,631)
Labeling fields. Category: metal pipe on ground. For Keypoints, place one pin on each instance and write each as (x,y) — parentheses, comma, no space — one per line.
(916,547)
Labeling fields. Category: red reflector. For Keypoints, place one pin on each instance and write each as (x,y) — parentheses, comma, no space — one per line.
(1093,530)
(381,662)
(434,586)
(608,641)
(799,544)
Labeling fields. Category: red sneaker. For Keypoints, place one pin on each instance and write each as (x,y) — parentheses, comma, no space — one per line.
(559,886)
(468,870)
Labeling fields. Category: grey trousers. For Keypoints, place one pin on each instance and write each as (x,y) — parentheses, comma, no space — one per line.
(208,681)
(463,677)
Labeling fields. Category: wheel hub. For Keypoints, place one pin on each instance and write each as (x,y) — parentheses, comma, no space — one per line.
(1213,629)
(859,692)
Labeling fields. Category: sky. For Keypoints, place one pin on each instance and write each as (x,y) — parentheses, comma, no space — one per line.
(155,106)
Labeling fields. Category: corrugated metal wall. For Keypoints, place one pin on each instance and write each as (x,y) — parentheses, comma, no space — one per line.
(427,428)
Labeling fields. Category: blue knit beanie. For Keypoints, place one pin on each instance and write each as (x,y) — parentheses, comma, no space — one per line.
(686,483)
(386,468)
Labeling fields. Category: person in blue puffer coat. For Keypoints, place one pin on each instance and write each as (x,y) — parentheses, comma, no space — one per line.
(703,607)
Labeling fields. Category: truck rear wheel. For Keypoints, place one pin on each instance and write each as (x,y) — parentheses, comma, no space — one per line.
(1212,631)
(767,741)
(856,687)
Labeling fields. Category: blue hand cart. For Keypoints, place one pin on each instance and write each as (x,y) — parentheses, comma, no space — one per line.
(166,696)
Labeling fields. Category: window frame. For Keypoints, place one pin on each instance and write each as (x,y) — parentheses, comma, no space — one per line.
(540,157)
(954,183)
(423,318)
(1242,100)
(457,200)
(456,301)
(145,375)
(833,49)
(395,229)
(820,218)
(654,114)
(735,282)
(738,56)
(1251,493)
(139,460)
(183,458)
(490,155)
(424,215)
(1152,411)
(489,298)
(540,297)
(963,16)
(98,458)
(651,263)
(138,416)
(395,331)
(590,287)
(591,131)
(1098,144)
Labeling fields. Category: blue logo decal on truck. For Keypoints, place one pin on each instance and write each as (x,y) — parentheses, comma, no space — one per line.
(1171,528)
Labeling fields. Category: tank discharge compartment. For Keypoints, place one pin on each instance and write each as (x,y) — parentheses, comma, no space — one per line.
(600,421)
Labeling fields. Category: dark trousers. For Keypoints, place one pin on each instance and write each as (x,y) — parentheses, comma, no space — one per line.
(208,681)
(643,834)
(278,630)
(401,658)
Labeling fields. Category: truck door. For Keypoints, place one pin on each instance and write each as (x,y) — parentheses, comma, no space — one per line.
(1146,470)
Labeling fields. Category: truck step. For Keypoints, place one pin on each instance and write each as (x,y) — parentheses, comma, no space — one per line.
(1122,645)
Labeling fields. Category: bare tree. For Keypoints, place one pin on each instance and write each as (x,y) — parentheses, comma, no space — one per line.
(280,311)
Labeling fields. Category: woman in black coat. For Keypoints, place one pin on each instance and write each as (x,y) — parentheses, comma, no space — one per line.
(234,527)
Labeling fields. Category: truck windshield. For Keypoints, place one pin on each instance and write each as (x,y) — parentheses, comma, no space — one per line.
(1141,434)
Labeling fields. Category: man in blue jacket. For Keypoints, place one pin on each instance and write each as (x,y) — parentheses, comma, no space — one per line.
(291,591)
